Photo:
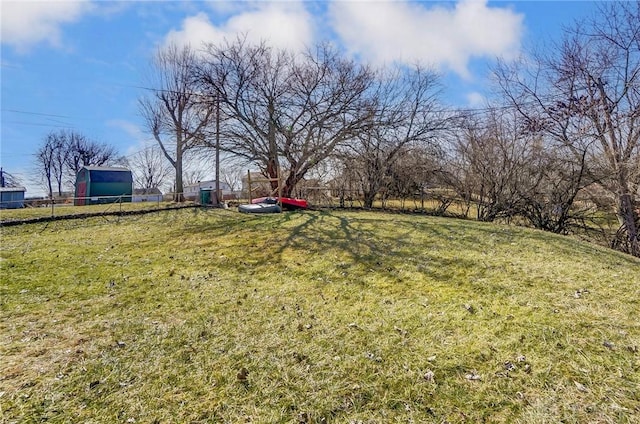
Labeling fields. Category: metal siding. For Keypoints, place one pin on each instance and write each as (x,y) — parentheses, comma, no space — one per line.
(11,200)
(110,176)
(112,190)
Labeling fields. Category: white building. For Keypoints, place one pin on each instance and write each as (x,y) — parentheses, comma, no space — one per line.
(192,191)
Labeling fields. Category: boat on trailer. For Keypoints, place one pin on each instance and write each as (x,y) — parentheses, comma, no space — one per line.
(288,203)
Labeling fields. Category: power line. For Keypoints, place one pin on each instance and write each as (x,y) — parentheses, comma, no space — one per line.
(36,113)
(34,124)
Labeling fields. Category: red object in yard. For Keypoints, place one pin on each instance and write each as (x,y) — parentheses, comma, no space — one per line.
(287,202)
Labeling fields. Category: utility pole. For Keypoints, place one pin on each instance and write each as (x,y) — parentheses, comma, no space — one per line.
(218,197)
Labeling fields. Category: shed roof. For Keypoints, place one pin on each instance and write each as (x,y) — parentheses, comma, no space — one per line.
(12,189)
(106,168)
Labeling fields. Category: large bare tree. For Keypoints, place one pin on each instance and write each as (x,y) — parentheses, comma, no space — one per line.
(586,93)
(283,110)
(176,114)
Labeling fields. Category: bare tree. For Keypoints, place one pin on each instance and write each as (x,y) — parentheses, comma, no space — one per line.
(63,153)
(194,172)
(281,107)
(51,160)
(149,167)
(8,180)
(44,162)
(416,175)
(507,170)
(404,114)
(176,115)
(232,175)
(491,157)
(81,151)
(553,177)
(587,95)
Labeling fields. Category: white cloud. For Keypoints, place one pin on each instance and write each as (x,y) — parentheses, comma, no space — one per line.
(475,99)
(282,24)
(195,31)
(133,130)
(447,37)
(26,23)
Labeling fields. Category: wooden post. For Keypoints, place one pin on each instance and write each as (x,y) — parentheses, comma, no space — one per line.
(269,180)
(218,196)
(279,188)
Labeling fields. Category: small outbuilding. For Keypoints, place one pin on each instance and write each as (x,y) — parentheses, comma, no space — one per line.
(96,185)
(205,191)
(147,195)
(12,197)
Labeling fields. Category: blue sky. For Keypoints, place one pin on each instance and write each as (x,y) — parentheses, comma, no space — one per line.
(81,64)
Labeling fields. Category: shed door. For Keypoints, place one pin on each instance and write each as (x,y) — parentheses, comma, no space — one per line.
(81,193)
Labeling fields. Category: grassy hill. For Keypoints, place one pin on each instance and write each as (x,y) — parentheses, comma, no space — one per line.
(214,316)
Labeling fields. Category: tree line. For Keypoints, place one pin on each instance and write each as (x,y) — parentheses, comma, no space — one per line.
(561,135)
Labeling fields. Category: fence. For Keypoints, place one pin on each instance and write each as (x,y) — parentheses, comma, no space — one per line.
(42,208)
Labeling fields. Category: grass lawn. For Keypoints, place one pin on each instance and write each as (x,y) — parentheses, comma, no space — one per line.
(62,209)
(199,316)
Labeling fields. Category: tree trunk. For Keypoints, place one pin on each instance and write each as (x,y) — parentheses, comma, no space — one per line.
(629,223)
(178,196)
(273,170)
(369,198)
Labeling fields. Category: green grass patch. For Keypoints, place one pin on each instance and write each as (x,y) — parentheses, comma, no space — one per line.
(65,209)
(213,316)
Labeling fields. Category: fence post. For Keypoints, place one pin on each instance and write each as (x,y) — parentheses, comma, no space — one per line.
(53,201)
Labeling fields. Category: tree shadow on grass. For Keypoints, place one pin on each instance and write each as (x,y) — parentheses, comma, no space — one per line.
(375,244)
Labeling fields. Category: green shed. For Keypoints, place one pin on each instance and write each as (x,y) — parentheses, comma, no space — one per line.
(96,184)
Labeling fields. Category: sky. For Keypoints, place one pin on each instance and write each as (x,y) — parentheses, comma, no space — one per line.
(83,65)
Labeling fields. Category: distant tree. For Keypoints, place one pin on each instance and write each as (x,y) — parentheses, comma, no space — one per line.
(82,151)
(232,175)
(44,162)
(195,172)
(175,114)
(8,180)
(490,158)
(553,176)
(415,172)
(51,159)
(283,110)
(404,115)
(507,170)
(149,167)
(62,154)
(346,182)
